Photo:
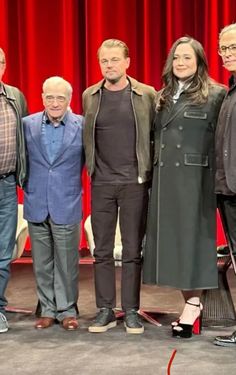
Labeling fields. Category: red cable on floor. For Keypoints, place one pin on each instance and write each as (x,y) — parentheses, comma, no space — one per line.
(171,360)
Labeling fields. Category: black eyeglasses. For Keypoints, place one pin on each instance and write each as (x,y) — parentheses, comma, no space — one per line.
(223,49)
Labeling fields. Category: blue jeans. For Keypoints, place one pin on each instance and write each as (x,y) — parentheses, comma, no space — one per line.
(8,221)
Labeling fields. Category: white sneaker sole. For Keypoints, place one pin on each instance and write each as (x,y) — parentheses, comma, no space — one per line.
(4,330)
(95,329)
(135,331)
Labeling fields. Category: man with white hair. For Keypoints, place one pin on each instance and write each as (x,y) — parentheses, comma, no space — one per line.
(12,172)
(52,202)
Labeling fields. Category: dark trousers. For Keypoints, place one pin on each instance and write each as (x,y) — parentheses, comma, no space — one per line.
(132,200)
(227,208)
(55,260)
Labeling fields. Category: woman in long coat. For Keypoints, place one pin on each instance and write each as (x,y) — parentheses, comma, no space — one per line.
(180,247)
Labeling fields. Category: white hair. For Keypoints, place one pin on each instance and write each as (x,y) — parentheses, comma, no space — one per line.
(58,80)
(227,29)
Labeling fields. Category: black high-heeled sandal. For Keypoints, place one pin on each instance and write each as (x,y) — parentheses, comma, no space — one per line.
(186,330)
(176,322)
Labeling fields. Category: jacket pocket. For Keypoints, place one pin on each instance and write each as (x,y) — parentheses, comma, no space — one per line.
(195,114)
(73,190)
(198,160)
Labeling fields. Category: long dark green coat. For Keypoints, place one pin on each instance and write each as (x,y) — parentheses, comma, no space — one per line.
(180,246)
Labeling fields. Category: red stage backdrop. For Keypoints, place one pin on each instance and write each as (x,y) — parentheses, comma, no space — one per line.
(42,38)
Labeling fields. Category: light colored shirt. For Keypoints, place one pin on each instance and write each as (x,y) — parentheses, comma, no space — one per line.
(52,136)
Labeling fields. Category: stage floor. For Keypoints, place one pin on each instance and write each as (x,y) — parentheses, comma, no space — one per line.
(54,351)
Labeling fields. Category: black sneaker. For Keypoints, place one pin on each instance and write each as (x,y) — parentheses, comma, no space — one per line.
(223,251)
(226,340)
(105,320)
(132,322)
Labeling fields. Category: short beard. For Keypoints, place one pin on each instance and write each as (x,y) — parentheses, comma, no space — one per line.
(113,81)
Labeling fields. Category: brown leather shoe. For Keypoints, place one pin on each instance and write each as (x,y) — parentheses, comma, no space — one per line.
(70,323)
(44,322)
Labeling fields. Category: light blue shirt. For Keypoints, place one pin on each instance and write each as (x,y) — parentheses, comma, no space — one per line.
(52,136)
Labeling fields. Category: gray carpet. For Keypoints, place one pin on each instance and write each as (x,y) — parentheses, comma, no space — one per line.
(24,350)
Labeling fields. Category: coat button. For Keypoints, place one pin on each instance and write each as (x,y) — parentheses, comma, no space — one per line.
(164,129)
(163,146)
(177,164)
(161,164)
(180,127)
(178,146)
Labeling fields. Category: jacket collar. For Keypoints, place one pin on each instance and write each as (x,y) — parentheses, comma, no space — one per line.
(133,83)
(2,90)
(7,91)
(232,83)
(62,121)
(35,127)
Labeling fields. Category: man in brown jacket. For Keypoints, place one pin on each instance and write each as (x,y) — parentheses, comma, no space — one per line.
(118,117)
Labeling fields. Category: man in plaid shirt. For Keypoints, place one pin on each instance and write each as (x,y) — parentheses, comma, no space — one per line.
(12,172)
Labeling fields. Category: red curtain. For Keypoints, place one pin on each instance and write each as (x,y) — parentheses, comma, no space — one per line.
(42,38)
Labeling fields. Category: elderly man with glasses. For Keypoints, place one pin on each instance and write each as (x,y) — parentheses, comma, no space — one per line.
(52,202)
(226,152)
(12,171)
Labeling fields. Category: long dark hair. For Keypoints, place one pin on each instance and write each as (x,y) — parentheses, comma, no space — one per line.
(197,92)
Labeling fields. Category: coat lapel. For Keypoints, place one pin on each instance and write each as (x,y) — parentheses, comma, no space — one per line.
(36,133)
(176,108)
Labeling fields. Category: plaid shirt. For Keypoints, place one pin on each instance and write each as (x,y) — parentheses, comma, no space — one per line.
(7,135)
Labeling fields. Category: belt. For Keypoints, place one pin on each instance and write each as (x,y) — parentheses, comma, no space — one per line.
(5,175)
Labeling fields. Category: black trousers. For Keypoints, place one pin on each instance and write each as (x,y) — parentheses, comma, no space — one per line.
(227,208)
(132,200)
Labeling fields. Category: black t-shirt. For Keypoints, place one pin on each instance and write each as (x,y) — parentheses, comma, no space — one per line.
(115,139)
